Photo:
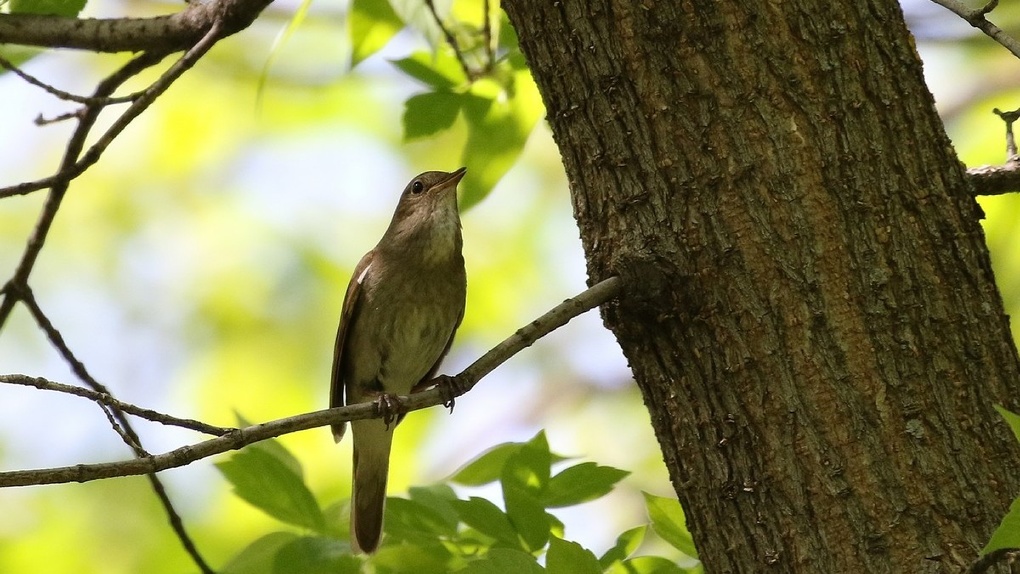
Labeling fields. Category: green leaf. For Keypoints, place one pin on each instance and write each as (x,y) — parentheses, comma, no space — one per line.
(527,515)
(668,522)
(566,557)
(1007,535)
(582,483)
(626,544)
(1012,419)
(498,128)
(68,8)
(274,51)
(258,557)
(524,479)
(504,561)
(651,565)
(315,555)
(274,448)
(507,37)
(487,467)
(427,114)
(440,498)
(338,519)
(414,522)
(430,557)
(271,485)
(439,70)
(529,466)
(487,518)
(372,24)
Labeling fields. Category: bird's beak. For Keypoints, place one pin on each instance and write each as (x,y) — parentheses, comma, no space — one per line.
(451,181)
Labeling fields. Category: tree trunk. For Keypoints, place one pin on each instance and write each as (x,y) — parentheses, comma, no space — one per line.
(809,308)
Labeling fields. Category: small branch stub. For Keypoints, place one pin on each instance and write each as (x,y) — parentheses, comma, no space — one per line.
(1009,118)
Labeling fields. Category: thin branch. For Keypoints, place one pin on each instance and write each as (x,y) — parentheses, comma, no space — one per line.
(185,30)
(140,103)
(997,180)
(117,418)
(18,284)
(239,438)
(450,39)
(78,368)
(527,335)
(977,19)
(4,62)
(107,400)
(149,95)
(490,54)
(1009,118)
(73,165)
(40,120)
(120,423)
(196,28)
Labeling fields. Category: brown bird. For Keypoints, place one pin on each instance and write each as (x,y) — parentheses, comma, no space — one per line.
(401,310)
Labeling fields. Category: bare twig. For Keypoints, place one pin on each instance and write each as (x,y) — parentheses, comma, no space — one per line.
(120,423)
(450,39)
(17,288)
(141,101)
(196,28)
(40,120)
(235,439)
(997,180)
(78,368)
(527,335)
(5,63)
(73,165)
(977,19)
(18,284)
(107,400)
(1009,118)
(490,54)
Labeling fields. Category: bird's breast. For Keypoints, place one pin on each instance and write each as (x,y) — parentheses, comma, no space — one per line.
(415,317)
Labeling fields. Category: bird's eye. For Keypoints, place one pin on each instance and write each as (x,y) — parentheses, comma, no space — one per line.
(417,187)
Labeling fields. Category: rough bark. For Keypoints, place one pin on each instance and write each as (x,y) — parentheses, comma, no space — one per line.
(808,308)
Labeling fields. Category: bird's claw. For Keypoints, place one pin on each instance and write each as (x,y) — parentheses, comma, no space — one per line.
(449,390)
(388,408)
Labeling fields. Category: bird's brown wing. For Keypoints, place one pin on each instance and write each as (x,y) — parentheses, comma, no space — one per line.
(338,385)
(423,383)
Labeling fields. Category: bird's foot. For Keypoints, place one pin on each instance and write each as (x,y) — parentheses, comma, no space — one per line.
(388,407)
(449,388)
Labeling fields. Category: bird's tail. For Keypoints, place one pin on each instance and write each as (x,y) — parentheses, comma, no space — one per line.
(372,442)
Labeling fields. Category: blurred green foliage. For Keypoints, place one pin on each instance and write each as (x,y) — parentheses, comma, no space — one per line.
(51,7)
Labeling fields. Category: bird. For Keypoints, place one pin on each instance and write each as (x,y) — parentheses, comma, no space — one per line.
(402,307)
